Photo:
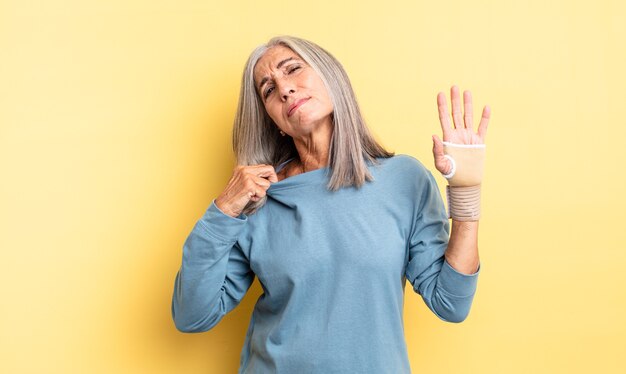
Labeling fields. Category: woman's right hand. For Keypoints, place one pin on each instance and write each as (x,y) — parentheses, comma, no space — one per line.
(248,183)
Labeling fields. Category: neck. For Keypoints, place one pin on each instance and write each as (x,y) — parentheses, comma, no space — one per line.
(313,149)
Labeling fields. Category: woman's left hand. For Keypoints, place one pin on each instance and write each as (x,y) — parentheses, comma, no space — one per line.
(462,132)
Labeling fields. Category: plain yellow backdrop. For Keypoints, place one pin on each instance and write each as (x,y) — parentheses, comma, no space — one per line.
(115,120)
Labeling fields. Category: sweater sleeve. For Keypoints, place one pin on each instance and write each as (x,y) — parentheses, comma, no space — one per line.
(214,275)
(447,292)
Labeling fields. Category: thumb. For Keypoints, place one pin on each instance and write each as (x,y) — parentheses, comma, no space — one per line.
(437,147)
(441,163)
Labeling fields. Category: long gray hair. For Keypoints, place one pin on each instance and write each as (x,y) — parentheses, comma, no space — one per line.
(257,140)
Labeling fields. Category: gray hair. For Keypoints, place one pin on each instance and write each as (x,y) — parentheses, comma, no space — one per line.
(257,140)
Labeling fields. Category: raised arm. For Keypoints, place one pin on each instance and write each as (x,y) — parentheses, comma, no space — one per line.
(447,292)
(464,175)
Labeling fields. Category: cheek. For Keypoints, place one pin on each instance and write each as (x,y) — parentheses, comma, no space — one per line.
(326,100)
(274,111)
(324,96)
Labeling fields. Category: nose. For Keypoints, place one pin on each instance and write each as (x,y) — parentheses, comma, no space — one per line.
(286,88)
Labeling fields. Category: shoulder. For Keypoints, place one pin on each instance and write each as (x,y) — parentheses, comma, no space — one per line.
(405,175)
(403,166)
(405,180)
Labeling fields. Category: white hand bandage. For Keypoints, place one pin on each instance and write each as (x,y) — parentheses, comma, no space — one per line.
(464,180)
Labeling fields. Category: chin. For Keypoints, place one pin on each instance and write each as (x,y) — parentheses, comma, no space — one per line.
(312,119)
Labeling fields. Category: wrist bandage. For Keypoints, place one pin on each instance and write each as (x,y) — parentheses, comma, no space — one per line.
(464,179)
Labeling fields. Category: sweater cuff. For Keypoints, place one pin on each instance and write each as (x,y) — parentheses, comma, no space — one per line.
(456,283)
(222,226)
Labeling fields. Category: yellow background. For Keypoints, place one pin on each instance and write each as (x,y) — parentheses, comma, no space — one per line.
(115,120)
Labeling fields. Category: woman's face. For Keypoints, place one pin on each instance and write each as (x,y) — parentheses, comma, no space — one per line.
(292,92)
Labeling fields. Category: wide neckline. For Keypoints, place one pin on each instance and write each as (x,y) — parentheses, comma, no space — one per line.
(301,179)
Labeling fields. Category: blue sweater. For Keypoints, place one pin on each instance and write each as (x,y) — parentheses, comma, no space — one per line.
(333,267)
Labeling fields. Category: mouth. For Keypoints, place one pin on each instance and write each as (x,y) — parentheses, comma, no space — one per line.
(296,105)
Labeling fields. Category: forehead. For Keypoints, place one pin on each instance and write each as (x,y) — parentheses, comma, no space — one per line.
(270,59)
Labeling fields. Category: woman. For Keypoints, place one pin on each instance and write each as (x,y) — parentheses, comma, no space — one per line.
(331,223)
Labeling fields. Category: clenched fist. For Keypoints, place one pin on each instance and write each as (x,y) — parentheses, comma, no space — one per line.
(248,183)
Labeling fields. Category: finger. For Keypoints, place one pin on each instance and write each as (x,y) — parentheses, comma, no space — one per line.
(251,188)
(444,117)
(437,146)
(258,194)
(261,182)
(264,171)
(259,188)
(468,110)
(484,123)
(441,163)
(457,115)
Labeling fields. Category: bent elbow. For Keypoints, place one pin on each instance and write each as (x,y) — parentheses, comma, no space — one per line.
(182,327)
(452,309)
(455,317)
(187,326)
(190,323)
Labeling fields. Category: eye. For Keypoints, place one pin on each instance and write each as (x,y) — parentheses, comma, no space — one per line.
(268,91)
(293,68)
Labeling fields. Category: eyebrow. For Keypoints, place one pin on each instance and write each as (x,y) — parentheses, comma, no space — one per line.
(280,65)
